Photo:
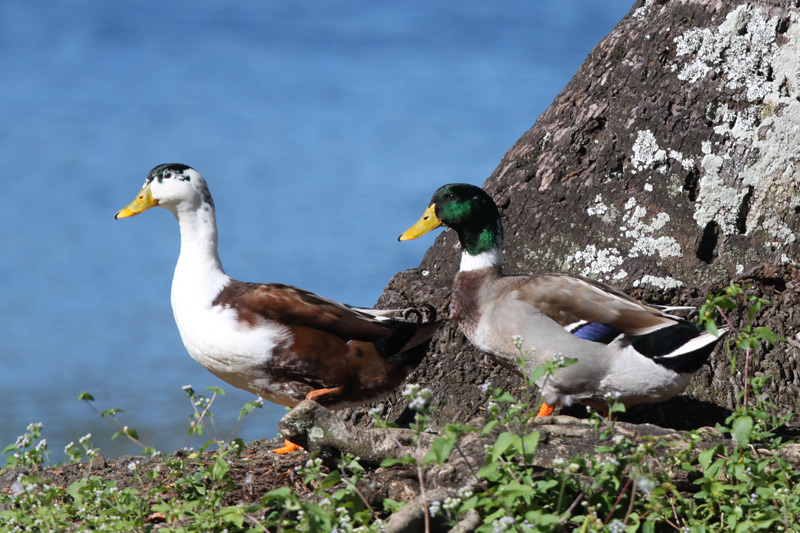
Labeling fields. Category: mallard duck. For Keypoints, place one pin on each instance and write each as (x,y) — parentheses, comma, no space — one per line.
(625,349)
(277,341)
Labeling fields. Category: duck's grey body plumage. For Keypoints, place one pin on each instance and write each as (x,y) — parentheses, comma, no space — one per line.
(624,349)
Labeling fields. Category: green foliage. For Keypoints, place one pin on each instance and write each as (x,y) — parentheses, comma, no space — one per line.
(738,486)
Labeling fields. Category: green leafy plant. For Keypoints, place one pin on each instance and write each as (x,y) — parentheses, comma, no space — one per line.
(740,486)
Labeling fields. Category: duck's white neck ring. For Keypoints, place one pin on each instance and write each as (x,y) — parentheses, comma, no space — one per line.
(490,259)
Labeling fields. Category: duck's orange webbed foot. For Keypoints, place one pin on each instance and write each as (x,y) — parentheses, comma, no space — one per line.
(288,447)
(314,395)
(545,410)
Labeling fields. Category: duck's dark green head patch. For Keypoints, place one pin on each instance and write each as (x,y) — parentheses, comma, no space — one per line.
(472,213)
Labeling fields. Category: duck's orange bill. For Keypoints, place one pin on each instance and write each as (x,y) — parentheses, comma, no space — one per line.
(143,201)
(428,222)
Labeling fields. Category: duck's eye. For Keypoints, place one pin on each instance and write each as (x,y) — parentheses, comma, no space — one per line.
(449,196)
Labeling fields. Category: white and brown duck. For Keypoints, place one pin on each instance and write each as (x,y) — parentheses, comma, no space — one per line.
(277,341)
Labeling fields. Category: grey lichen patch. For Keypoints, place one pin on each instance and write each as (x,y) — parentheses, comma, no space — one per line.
(716,200)
(647,154)
(643,233)
(607,212)
(752,190)
(663,283)
(643,11)
(534,258)
(316,433)
(639,235)
(740,50)
(686,162)
(598,263)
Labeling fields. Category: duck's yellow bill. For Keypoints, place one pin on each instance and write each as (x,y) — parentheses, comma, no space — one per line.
(425,224)
(142,202)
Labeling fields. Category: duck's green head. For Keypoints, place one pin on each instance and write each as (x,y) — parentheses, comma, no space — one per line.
(469,211)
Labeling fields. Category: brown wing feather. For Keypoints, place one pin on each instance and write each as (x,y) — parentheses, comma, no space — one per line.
(317,359)
(569,299)
(293,306)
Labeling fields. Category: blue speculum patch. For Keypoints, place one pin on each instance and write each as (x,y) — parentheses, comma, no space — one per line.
(596,332)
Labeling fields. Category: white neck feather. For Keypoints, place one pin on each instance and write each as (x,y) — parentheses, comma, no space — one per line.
(491,259)
(198,275)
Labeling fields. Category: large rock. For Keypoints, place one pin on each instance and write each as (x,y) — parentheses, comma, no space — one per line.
(666,167)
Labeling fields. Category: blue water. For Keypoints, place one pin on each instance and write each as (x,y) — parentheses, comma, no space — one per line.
(321,127)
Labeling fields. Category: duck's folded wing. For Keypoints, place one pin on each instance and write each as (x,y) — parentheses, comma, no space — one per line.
(297,307)
(574,301)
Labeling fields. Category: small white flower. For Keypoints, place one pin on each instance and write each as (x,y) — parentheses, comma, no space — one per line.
(418,403)
(410,390)
(434,508)
(451,504)
(16,488)
(517,340)
(618,439)
(187,387)
(616,526)
(85,438)
(645,484)
(418,397)
(23,441)
(485,387)
(502,524)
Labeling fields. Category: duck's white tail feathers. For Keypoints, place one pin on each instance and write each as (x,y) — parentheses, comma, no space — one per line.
(698,343)
(682,347)
(380,315)
(424,314)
